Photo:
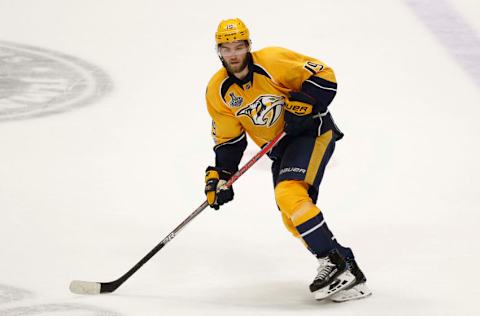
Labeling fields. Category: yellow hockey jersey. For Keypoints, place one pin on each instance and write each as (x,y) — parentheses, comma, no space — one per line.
(255,105)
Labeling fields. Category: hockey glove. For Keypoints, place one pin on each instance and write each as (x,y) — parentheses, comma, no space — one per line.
(217,193)
(299,112)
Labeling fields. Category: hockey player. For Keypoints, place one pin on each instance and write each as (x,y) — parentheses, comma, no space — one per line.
(260,94)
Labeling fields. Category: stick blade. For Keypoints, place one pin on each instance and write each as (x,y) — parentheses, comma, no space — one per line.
(85,287)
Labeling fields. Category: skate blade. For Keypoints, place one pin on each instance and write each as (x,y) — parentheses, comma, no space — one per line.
(341,282)
(356,292)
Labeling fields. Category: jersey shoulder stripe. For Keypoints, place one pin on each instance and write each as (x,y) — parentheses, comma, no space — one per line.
(260,70)
(224,86)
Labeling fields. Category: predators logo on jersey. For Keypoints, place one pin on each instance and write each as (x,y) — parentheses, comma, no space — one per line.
(265,110)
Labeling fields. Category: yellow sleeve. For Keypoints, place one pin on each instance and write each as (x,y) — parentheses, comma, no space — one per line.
(225,126)
(291,69)
(228,134)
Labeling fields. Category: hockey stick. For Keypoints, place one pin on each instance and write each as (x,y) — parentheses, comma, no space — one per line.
(87,287)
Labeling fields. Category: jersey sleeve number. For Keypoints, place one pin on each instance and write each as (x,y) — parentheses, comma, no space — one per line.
(313,67)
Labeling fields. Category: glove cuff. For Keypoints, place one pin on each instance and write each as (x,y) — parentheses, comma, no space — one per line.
(217,173)
(301,104)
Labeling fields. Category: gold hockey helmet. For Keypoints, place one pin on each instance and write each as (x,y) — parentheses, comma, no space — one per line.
(232,30)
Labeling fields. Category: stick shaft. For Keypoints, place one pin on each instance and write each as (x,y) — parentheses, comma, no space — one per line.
(107,287)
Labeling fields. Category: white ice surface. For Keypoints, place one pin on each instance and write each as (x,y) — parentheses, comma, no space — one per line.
(85,194)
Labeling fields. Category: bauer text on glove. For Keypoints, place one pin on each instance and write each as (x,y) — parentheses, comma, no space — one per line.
(299,112)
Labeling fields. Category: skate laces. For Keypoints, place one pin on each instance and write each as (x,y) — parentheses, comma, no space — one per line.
(326,266)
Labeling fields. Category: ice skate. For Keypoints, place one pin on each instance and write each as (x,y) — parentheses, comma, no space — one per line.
(333,276)
(357,290)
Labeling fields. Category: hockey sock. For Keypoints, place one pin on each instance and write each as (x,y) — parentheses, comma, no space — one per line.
(344,251)
(347,253)
(304,219)
(317,236)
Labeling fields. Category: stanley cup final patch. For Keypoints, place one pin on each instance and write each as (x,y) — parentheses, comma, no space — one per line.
(235,101)
(37,82)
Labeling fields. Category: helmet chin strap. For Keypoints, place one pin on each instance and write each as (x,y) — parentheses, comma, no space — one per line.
(220,56)
(224,64)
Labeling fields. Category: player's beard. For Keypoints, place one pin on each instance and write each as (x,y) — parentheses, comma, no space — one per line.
(237,67)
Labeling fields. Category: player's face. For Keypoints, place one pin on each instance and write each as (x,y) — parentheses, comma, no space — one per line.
(235,55)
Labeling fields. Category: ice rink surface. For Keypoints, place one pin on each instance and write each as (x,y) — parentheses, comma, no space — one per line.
(88,188)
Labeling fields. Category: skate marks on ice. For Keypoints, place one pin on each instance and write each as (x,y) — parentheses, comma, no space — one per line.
(37,82)
(9,294)
(21,302)
(55,309)
(457,36)
(269,295)
(266,296)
